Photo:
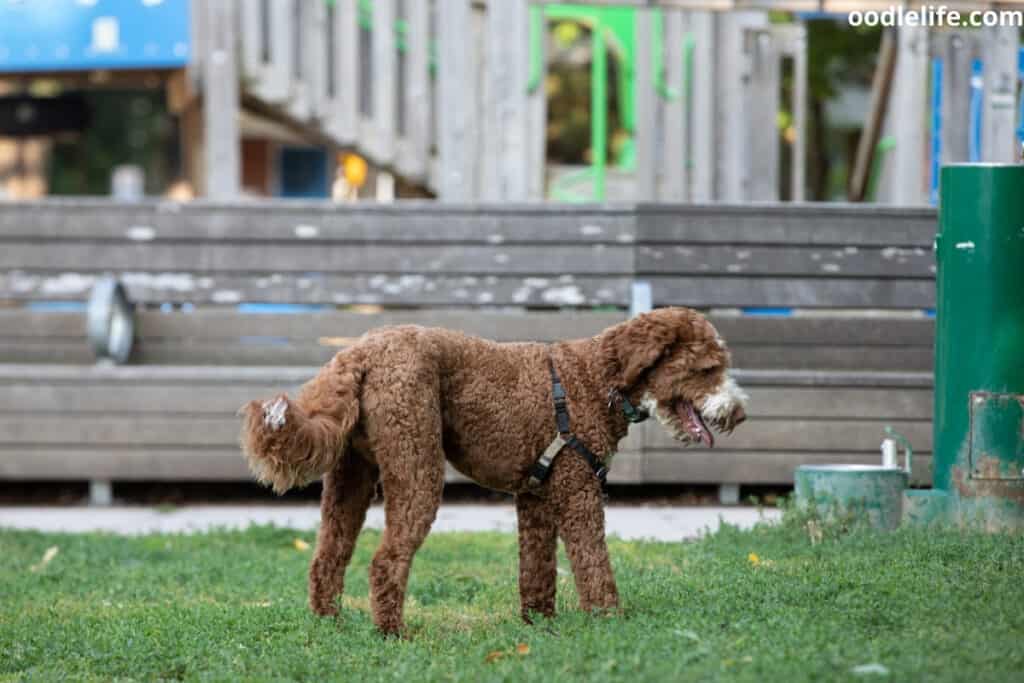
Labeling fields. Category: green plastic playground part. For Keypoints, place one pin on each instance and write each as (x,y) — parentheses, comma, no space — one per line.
(661,85)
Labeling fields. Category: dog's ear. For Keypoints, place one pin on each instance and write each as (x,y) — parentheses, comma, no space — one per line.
(630,348)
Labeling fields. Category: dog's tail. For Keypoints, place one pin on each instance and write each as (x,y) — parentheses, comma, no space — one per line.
(291,443)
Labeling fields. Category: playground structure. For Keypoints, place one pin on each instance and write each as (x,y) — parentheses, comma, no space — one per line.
(450,97)
(701,88)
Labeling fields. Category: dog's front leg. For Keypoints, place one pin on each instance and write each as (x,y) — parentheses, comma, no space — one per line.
(538,560)
(579,508)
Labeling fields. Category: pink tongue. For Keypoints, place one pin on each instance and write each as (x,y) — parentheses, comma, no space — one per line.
(698,428)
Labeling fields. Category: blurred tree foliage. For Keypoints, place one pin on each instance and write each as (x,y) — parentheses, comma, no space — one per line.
(127,127)
(838,55)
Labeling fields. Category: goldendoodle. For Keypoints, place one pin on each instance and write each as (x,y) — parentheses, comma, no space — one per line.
(540,421)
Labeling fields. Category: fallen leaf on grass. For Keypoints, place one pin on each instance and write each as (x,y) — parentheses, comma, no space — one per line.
(300,545)
(521,649)
(48,556)
(754,559)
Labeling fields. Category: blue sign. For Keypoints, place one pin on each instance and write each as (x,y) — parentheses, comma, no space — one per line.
(78,35)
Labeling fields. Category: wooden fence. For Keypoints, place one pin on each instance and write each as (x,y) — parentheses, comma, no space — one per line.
(854,355)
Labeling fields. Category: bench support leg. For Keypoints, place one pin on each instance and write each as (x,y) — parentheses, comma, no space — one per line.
(729,494)
(101,492)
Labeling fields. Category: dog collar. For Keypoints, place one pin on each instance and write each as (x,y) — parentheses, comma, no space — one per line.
(632,413)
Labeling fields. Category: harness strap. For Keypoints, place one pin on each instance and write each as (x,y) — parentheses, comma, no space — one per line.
(542,467)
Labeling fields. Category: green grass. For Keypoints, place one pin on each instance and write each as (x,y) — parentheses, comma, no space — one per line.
(230,606)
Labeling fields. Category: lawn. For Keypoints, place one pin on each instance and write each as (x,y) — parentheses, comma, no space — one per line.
(759,605)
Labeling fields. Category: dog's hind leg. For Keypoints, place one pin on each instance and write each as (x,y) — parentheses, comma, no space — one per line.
(538,560)
(348,490)
(576,495)
(406,443)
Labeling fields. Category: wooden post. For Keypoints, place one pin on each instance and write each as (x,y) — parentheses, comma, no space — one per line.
(345,120)
(910,101)
(798,47)
(385,76)
(277,88)
(733,134)
(314,57)
(413,155)
(220,101)
(674,185)
(703,26)
(646,134)
(537,108)
(762,106)
(457,99)
(998,132)
(955,51)
(299,100)
(506,74)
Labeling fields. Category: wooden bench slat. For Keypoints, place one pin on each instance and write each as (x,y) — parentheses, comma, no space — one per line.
(791,259)
(296,222)
(505,259)
(806,435)
(225,464)
(823,292)
(884,331)
(197,397)
(205,430)
(225,323)
(318,288)
(820,224)
(762,467)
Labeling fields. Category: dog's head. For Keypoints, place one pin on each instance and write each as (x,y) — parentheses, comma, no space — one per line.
(673,363)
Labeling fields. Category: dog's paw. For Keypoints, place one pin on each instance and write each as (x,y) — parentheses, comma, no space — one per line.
(274,413)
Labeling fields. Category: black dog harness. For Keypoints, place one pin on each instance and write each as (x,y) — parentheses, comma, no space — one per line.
(542,467)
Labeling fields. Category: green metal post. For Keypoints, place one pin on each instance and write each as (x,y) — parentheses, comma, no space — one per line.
(598,109)
(979,345)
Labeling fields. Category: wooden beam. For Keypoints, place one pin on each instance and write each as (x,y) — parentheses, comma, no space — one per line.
(344,124)
(507,65)
(762,100)
(646,97)
(908,117)
(674,184)
(220,102)
(457,141)
(705,74)
(385,82)
(999,121)
(413,154)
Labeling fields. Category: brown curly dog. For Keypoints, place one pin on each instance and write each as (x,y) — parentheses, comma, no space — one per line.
(402,400)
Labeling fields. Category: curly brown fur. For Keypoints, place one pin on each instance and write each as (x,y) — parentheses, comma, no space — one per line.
(292,443)
(403,400)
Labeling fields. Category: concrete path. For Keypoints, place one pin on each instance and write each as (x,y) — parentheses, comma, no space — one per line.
(628,522)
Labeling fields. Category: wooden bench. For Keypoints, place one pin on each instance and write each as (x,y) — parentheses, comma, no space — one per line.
(824,382)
